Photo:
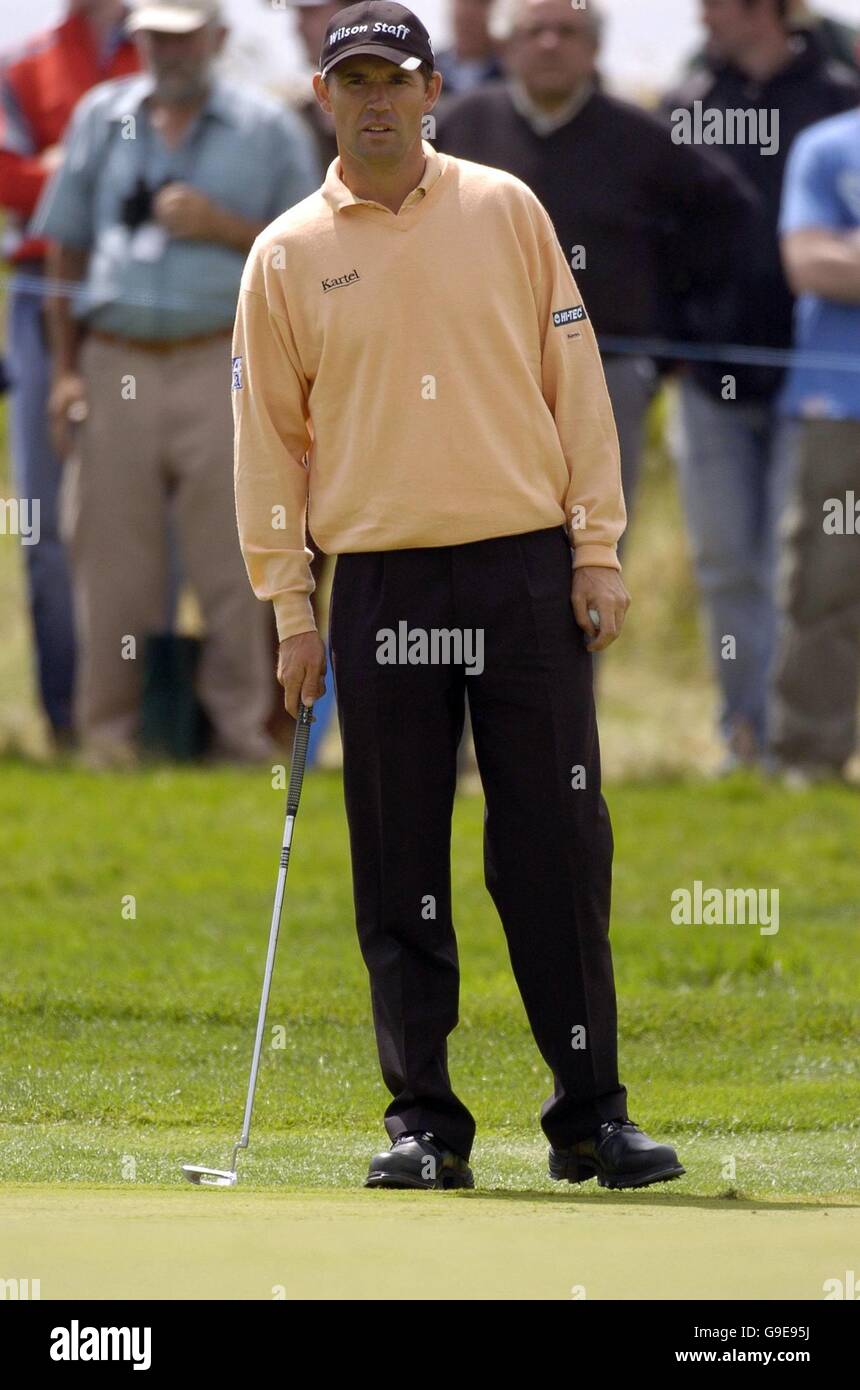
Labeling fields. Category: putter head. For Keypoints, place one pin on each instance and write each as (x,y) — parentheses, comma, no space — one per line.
(209,1177)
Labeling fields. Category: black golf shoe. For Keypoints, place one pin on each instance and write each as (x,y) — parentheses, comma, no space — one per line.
(619,1154)
(419,1160)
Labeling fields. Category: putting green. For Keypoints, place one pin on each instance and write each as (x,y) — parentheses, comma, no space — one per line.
(229,1244)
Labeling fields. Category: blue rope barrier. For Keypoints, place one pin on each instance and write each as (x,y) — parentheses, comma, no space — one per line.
(662,348)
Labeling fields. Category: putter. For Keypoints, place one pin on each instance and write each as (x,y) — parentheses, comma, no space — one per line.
(227,1177)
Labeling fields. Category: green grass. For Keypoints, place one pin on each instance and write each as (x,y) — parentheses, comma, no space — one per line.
(131,1037)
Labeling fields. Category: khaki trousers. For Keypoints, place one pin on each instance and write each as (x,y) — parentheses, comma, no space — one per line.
(817,674)
(159,430)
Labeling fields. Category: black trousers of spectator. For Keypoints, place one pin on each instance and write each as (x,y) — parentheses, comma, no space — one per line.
(547,838)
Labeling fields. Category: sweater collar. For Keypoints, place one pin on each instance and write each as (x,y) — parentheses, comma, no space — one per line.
(338,196)
(545,122)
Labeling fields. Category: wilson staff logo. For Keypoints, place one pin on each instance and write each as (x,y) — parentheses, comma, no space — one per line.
(349,279)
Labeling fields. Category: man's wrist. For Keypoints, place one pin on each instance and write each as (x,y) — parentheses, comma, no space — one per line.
(220,225)
(65,366)
(227,228)
(596,556)
(294,616)
(231,229)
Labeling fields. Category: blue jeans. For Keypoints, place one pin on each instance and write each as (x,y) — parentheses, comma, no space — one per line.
(36,473)
(632,385)
(735,464)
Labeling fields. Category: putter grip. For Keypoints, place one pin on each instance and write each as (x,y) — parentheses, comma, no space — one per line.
(300,753)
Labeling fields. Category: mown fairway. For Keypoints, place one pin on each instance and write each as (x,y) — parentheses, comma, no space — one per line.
(126,1044)
(145,1023)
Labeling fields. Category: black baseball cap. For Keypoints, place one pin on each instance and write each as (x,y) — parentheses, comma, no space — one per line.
(380,28)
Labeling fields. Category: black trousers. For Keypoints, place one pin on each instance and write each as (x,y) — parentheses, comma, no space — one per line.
(547,835)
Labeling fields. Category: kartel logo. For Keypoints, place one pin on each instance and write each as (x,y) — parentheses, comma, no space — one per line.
(335,284)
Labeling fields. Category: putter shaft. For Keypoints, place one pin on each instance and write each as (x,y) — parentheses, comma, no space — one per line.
(192,1172)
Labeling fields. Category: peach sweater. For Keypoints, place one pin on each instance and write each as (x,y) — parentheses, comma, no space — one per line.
(424,378)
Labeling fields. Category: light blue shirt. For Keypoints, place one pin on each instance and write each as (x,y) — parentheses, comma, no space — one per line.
(243,151)
(822,189)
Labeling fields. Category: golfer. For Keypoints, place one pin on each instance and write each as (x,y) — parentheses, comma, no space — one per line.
(416,379)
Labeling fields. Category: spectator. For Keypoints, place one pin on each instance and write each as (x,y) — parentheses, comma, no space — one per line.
(731,441)
(472,57)
(38,91)
(818,662)
(835,39)
(619,192)
(311,21)
(167,180)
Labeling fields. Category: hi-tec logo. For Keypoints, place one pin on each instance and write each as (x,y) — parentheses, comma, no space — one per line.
(397,31)
(349,279)
(562,316)
(76,1343)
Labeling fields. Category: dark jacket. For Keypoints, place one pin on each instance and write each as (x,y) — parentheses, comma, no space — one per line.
(759,310)
(314,118)
(655,219)
(836,39)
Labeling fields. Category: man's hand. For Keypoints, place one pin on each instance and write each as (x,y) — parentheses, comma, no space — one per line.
(301,670)
(67,405)
(599,588)
(52,158)
(186,212)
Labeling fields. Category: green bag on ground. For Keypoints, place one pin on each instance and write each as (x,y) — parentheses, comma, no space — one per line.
(174,724)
